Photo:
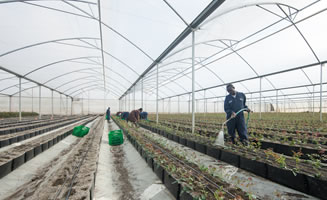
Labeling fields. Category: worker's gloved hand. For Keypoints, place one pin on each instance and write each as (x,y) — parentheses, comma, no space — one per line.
(233,115)
(248,110)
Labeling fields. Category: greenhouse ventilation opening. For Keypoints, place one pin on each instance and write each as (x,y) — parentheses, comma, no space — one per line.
(72,59)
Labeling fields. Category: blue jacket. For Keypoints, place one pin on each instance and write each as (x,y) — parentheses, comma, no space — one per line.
(144,115)
(108,113)
(234,104)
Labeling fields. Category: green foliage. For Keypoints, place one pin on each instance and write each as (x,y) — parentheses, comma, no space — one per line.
(16,114)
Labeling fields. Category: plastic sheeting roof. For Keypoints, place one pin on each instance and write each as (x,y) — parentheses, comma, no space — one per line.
(58,44)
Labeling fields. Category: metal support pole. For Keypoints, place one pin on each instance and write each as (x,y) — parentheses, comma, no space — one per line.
(178,105)
(163,105)
(169,103)
(82,106)
(142,93)
(145,103)
(51,103)
(125,102)
(40,115)
(134,99)
(20,99)
(66,105)
(10,103)
(60,104)
(157,99)
(313,100)
(193,82)
(129,101)
(260,99)
(88,103)
(32,99)
(214,107)
(321,91)
(72,106)
(277,101)
(204,102)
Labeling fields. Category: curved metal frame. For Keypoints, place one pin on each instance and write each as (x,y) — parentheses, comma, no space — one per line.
(46,42)
(80,84)
(94,85)
(57,62)
(259,40)
(112,29)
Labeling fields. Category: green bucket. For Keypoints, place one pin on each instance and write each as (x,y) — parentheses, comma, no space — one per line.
(116,137)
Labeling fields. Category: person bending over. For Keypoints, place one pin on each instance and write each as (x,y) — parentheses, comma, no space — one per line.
(134,117)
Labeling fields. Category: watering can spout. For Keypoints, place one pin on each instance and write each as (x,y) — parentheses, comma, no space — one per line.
(220,139)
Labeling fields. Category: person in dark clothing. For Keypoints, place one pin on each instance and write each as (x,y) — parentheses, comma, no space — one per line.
(234,102)
(124,116)
(134,116)
(144,115)
(108,114)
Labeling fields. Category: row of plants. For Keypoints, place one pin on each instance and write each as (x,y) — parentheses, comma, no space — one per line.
(16,114)
(307,176)
(282,121)
(279,146)
(252,126)
(283,136)
(176,171)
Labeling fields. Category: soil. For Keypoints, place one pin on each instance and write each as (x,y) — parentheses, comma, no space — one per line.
(126,190)
(56,123)
(306,168)
(182,171)
(52,177)
(18,150)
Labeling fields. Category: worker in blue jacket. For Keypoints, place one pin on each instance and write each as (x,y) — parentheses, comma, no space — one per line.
(234,102)
(108,114)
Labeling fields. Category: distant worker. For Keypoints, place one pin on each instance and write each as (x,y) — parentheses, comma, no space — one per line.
(144,115)
(124,115)
(108,114)
(134,117)
(234,102)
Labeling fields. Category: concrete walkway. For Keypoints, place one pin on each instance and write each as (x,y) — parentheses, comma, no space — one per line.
(123,174)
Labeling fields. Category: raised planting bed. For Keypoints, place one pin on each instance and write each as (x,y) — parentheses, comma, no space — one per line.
(278,168)
(276,146)
(175,173)
(28,126)
(18,155)
(6,140)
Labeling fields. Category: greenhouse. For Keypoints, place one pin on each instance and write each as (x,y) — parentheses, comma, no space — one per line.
(163,99)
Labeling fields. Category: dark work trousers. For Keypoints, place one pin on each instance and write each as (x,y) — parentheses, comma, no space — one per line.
(238,123)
